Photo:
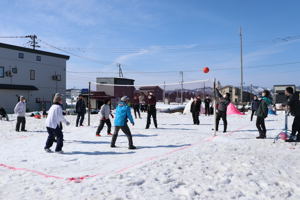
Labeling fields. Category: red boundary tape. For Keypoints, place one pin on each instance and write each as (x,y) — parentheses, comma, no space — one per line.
(80,179)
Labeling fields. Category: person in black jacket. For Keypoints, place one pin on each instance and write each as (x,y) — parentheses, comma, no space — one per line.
(80,110)
(136,106)
(254,106)
(195,110)
(3,114)
(207,102)
(262,113)
(293,106)
(151,110)
(222,109)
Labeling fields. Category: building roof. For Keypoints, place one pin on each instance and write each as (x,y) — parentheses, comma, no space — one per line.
(115,78)
(149,88)
(287,85)
(17,87)
(46,53)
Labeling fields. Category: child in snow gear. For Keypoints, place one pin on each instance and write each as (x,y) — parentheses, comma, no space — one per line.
(105,111)
(54,118)
(80,110)
(123,114)
(207,102)
(293,106)
(262,113)
(195,110)
(3,114)
(254,106)
(151,110)
(222,109)
(136,106)
(20,110)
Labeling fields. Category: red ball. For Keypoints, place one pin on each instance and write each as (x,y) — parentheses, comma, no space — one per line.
(205,70)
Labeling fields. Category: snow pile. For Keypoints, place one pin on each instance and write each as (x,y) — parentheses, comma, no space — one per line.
(176,161)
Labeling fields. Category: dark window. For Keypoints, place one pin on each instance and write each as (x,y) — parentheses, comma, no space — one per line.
(32,74)
(14,70)
(1,72)
(21,55)
(38,58)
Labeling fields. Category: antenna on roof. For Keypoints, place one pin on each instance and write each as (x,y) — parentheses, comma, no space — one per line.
(120,70)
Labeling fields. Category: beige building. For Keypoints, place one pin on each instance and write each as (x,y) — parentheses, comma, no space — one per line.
(235,94)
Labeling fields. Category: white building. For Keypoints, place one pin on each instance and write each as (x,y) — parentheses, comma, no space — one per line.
(36,75)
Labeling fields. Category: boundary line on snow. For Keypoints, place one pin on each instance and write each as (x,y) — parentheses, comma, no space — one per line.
(81,178)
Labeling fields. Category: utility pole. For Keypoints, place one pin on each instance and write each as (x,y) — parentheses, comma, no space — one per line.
(120,70)
(33,41)
(181,99)
(204,91)
(242,78)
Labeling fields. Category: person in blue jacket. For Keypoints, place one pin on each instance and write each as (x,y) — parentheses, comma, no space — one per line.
(123,114)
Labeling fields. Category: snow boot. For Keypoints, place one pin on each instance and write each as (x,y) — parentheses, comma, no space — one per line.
(98,135)
(262,135)
(59,152)
(48,150)
(109,134)
(132,147)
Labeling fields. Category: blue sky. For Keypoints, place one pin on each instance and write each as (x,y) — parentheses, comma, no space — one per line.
(164,35)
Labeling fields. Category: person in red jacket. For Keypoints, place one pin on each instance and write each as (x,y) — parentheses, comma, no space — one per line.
(151,110)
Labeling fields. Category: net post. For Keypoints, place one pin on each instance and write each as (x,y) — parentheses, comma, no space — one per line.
(89,105)
(215,108)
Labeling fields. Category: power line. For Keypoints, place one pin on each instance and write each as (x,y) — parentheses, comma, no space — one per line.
(217,68)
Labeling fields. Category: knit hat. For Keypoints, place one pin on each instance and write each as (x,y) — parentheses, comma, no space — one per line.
(57,98)
(21,97)
(125,98)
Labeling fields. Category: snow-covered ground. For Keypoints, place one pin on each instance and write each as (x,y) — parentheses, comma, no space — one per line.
(176,161)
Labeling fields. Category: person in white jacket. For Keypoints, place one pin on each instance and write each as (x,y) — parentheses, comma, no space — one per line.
(54,118)
(20,110)
(105,111)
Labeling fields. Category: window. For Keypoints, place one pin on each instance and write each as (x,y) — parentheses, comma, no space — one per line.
(38,58)
(14,70)
(1,72)
(58,77)
(21,55)
(32,74)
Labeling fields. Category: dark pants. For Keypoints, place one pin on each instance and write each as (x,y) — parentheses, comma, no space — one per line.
(260,124)
(207,110)
(151,113)
(136,109)
(21,121)
(221,115)
(125,130)
(296,127)
(55,133)
(101,125)
(252,114)
(80,116)
(196,118)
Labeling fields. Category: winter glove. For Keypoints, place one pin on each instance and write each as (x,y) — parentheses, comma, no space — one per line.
(112,116)
(132,124)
